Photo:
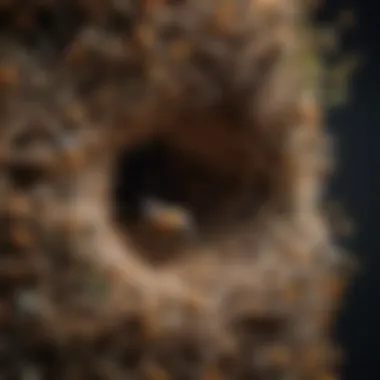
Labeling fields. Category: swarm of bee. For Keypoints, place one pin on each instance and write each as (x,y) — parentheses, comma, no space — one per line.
(162,163)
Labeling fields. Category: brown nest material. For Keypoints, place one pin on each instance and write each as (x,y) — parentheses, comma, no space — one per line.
(161,172)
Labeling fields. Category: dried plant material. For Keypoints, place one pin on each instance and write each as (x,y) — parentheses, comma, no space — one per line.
(8,76)
(161,218)
(280,357)
(337,79)
(167,217)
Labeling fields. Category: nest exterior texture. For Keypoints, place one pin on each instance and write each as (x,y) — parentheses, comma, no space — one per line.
(245,284)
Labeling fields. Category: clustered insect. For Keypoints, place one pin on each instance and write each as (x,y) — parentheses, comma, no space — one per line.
(219,263)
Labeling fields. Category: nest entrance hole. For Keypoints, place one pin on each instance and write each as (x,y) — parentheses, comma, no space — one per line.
(157,185)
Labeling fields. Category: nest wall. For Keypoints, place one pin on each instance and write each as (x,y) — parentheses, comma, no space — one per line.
(162,164)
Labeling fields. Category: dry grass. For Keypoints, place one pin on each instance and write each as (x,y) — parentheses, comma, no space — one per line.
(161,167)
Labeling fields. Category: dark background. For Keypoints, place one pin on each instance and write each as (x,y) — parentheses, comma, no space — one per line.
(356,129)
